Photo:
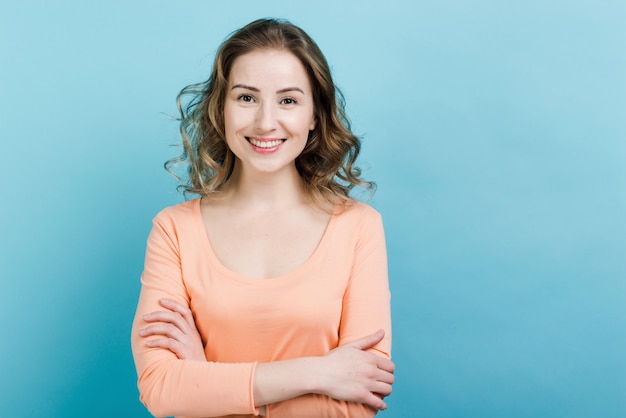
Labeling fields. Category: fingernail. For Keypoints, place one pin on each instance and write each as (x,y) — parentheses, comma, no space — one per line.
(142,331)
(147,316)
(150,343)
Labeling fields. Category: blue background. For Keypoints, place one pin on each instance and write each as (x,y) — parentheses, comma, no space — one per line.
(495,130)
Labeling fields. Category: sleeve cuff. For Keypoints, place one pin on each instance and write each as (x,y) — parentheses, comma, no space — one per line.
(256,410)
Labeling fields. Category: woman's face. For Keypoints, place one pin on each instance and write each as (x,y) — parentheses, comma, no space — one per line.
(268,111)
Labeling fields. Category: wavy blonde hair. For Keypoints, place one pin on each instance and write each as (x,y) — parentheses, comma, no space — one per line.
(327,163)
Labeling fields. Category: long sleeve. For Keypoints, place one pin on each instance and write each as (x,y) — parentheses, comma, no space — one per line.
(168,385)
(366,302)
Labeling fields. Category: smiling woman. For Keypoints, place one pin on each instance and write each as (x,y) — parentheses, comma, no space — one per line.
(327,163)
(269,294)
(269,108)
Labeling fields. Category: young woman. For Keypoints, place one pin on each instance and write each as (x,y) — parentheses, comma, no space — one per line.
(269,294)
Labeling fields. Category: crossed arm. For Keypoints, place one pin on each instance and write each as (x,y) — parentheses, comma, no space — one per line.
(348,373)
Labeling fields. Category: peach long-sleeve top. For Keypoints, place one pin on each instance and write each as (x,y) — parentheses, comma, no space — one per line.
(338,295)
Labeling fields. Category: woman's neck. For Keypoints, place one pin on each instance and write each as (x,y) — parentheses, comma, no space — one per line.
(265,191)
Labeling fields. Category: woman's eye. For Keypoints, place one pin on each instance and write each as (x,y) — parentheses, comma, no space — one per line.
(288,101)
(246,98)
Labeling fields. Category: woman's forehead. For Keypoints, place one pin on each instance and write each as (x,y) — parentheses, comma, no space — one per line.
(269,68)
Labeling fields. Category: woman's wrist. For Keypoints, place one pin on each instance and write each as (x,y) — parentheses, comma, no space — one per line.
(314,381)
(286,379)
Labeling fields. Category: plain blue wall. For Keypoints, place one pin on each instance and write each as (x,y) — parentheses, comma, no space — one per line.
(495,130)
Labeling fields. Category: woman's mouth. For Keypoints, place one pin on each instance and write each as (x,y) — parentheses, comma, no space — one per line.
(265,143)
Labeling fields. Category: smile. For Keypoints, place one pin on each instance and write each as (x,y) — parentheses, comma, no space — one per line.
(265,143)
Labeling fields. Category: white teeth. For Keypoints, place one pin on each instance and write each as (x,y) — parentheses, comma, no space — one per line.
(265,144)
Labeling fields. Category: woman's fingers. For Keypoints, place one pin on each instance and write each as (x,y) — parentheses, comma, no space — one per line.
(176,323)
(174,306)
(166,329)
(385,364)
(169,343)
(176,314)
(368,341)
(375,402)
(384,376)
(352,373)
(378,390)
(171,338)
(381,388)
(166,316)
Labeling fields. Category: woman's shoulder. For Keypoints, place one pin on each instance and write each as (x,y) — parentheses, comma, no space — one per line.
(179,213)
(356,211)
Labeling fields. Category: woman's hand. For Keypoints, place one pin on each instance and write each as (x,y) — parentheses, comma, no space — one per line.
(353,374)
(176,330)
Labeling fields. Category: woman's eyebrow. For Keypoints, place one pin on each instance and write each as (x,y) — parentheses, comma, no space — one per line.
(243,86)
(288,89)
(285,90)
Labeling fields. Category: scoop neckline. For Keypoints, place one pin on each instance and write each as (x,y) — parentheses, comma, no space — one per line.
(227,272)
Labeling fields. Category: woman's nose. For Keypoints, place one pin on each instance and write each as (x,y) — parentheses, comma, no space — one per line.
(266,118)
